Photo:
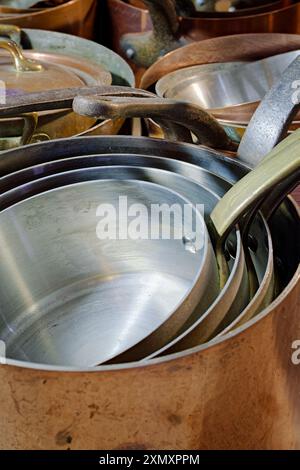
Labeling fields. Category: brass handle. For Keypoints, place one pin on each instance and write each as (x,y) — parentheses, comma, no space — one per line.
(12,32)
(21,63)
(206,128)
(278,167)
(30,125)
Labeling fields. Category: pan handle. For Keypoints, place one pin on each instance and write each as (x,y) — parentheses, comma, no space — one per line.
(280,165)
(271,120)
(192,117)
(176,119)
(145,48)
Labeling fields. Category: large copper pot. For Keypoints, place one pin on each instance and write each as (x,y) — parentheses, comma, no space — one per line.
(74,17)
(240,391)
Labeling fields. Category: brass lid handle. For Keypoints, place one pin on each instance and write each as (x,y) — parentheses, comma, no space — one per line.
(21,63)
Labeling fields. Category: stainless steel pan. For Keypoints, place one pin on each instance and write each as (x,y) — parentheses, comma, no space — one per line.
(268,163)
(241,378)
(222,89)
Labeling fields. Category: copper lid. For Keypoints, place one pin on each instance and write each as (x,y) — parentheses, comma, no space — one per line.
(32,71)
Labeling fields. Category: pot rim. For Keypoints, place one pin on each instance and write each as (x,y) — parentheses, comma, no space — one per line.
(168,358)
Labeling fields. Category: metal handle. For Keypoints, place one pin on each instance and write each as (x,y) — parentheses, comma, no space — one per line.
(145,48)
(21,63)
(12,32)
(279,166)
(195,119)
(30,125)
(272,118)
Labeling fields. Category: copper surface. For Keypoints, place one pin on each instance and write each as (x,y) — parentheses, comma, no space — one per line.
(126,18)
(242,393)
(74,17)
(225,49)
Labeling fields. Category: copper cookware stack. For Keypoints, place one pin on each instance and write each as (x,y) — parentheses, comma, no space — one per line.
(147,343)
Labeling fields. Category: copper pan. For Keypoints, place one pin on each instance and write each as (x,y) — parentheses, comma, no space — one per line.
(244,47)
(74,17)
(239,392)
(62,44)
(126,18)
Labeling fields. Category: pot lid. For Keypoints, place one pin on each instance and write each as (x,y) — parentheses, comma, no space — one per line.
(32,71)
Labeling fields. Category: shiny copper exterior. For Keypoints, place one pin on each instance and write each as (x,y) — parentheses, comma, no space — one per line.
(225,49)
(242,393)
(74,17)
(126,18)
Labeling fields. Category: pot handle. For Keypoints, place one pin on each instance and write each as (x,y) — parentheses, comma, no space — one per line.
(145,48)
(12,32)
(280,165)
(272,118)
(21,63)
(206,128)
(177,119)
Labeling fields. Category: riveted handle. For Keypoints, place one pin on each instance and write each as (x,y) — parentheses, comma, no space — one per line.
(280,165)
(192,117)
(21,63)
(272,118)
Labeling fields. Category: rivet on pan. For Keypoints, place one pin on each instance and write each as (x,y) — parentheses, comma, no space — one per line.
(189,244)
(129,53)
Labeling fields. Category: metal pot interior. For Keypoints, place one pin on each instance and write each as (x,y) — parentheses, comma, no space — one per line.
(260,258)
(71,275)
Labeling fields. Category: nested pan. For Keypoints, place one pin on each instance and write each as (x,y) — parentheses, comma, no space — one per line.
(238,378)
(234,297)
(93,298)
(223,90)
(169,32)
(73,16)
(237,47)
(196,193)
(24,345)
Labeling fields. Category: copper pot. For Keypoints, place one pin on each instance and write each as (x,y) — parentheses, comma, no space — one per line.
(74,17)
(239,392)
(126,18)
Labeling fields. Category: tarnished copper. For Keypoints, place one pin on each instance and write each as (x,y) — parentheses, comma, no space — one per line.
(74,17)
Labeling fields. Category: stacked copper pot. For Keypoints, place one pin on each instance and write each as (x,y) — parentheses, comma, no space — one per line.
(112,337)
